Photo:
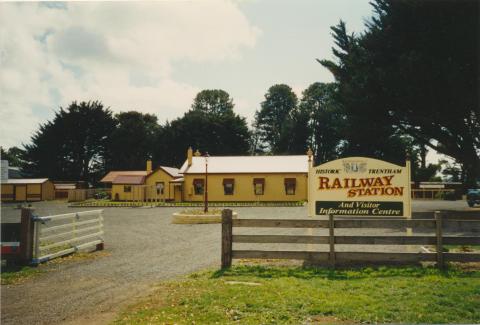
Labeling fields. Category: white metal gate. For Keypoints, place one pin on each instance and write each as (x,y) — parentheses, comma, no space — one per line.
(63,234)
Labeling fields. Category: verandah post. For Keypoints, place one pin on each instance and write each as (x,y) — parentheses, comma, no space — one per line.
(226,238)
(439,234)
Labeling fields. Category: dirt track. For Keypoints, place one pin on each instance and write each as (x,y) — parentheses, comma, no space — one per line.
(142,248)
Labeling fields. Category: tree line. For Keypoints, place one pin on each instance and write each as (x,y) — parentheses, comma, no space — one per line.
(397,91)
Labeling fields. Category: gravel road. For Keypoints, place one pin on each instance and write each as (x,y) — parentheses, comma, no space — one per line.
(142,248)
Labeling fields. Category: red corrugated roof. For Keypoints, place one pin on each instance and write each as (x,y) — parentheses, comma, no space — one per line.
(129,179)
(113,174)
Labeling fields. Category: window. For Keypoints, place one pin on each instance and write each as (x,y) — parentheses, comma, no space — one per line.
(198,186)
(160,188)
(259,186)
(290,184)
(228,186)
(127,188)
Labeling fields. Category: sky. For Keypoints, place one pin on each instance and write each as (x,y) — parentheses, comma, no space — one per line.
(154,57)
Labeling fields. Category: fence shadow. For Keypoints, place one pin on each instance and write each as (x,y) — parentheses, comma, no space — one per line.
(350,273)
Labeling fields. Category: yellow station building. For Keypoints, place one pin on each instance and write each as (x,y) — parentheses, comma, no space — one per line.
(245,178)
(230,179)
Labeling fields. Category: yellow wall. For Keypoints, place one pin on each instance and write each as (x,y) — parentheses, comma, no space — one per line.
(148,190)
(20,192)
(48,191)
(160,175)
(7,192)
(274,189)
(136,193)
(243,189)
(34,192)
(28,192)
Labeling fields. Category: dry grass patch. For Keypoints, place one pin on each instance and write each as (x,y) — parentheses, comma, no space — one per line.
(16,274)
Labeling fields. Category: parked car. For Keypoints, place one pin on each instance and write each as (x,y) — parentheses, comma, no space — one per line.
(473,197)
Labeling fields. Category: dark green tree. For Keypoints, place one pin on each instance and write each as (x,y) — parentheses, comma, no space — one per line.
(415,71)
(295,133)
(322,121)
(274,119)
(73,145)
(214,102)
(428,173)
(133,141)
(14,155)
(367,131)
(451,171)
(217,134)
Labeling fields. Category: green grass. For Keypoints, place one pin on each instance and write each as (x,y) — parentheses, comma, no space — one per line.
(15,274)
(305,295)
(108,203)
(18,274)
(201,212)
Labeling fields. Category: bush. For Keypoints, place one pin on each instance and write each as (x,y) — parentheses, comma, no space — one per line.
(101,195)
(449,196)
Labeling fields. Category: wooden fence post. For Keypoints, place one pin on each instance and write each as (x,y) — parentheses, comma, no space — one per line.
(226,238)
(26,235)
(439,234)
(331,239)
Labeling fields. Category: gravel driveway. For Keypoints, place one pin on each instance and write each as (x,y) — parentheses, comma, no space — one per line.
(142,248)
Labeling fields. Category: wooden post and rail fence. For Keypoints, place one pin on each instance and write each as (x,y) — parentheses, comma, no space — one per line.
(448,229)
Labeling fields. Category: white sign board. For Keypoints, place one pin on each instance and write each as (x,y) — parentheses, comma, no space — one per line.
(4,170)
(359,186)
(434,186)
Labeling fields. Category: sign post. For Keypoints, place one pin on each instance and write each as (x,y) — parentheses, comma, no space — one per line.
(359,186)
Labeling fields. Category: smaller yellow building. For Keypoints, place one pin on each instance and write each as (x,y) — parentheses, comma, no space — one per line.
(161,184)
(27,189)
(167,184)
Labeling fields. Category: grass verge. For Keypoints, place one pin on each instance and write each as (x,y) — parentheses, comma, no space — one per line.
(286,295)
(18,274)
(108,203)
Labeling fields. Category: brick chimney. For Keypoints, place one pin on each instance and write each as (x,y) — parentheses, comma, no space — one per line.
(149,166)
(189,156)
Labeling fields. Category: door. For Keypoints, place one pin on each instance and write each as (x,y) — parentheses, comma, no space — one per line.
(20,192)
(177,193)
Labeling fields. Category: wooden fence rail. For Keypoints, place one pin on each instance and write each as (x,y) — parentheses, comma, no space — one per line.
(436,226)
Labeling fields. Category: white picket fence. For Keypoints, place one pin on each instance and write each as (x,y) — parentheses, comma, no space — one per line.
(64,234)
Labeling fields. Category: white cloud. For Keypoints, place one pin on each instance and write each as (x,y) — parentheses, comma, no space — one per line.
(120,53)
